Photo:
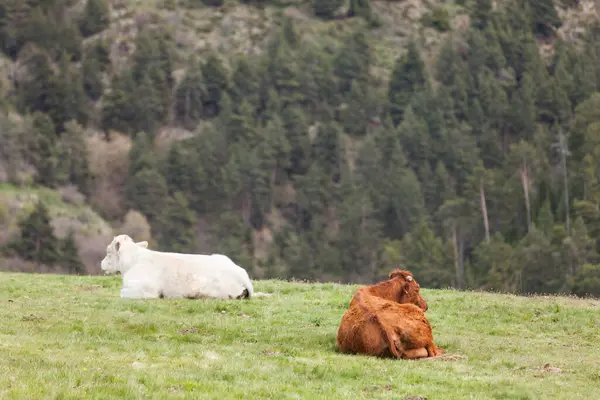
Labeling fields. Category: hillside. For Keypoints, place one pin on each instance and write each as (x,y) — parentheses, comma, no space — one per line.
(67,211)
(328,140)
(73,337)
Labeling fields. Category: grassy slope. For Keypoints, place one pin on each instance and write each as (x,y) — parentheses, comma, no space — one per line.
(18,201)
(73,337)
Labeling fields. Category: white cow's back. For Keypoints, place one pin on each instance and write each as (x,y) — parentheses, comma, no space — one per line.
(189,275)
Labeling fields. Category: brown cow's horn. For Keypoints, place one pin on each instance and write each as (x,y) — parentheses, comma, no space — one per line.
(409,278)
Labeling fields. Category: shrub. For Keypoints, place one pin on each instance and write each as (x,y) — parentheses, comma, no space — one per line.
(136,226)
(109,164)
(438,18)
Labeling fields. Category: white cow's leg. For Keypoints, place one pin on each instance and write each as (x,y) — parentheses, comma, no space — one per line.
(139,292)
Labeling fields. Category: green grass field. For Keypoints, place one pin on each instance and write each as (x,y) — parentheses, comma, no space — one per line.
(66,337)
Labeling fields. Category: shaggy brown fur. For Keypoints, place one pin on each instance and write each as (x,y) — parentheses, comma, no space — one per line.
(388,320)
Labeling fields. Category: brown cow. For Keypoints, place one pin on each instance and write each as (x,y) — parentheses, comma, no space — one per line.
(388,320)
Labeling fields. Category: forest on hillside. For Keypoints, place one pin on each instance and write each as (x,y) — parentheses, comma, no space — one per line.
(481,170)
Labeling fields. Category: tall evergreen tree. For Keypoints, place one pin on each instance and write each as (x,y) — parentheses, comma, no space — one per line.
(75,158)
(326,8)
(96,17)
(37,241)
(177,226)
(544,17)
(216,83)
(43,150)
(189,96)
(408,77)
(70,259)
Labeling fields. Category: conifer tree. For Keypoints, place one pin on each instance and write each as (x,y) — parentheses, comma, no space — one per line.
(147,192)
(177,168)
(296,127)
(544,17)
(177,226)
(67,97)
(96,17)
(118,108)
(189,96)
(327,149)
(408,77)
(480,15)
(244,82)
(93,84)
(43,150)
(37,241)
(326,8)
(353,60)
(75,158)
(141,154)
(360,8)
(70,259)
(216,82)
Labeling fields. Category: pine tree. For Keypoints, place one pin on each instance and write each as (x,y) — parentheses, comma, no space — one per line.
(282,68)
(141,154)
(118,106)
(177,169)
(544,17)
(216,83)
(37,241)
(408,77)
(360,8)
(296,127)
(414,134)
(43,150)
(189,97)
(327,149)
(35,91)
(96,17)
(359,109)
(66,97)
(147,192)
(177,226)
(14,18)
(70,259)
(93,84)
(326,8)
(75,156)
(481,14)
(353,61)
(289,32)
(523,111)
(359,232)
(244,82)
(148,106)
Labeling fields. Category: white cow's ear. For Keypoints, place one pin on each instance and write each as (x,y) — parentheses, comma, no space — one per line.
(143,244)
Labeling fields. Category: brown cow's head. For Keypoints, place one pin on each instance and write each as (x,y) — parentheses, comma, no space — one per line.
(410,291)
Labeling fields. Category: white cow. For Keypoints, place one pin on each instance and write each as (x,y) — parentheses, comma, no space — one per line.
(151,274)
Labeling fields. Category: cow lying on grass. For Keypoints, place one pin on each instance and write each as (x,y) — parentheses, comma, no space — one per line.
(388,320)
(154,274)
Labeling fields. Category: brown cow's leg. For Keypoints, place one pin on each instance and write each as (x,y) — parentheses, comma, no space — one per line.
(415,353)
(433,350)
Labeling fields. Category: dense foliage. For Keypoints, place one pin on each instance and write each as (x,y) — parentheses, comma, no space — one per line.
(484,174)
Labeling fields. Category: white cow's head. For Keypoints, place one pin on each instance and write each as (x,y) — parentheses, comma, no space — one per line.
(111,263)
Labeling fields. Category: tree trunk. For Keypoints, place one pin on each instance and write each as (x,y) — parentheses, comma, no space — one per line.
(456,257)
(486,222)
(563,152)
(461,262)
(525,182)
